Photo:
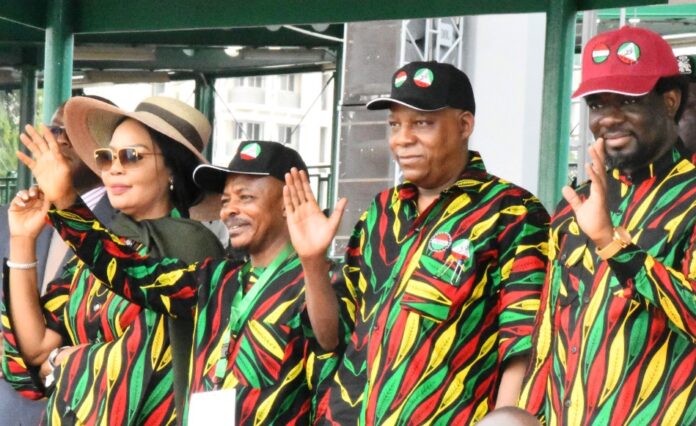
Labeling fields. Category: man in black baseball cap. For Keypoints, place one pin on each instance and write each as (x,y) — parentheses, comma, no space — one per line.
(443,272)
(255,158)
(254,339)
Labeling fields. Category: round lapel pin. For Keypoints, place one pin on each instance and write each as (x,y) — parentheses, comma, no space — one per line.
(439,242)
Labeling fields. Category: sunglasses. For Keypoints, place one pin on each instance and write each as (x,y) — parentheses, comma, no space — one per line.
(57,131)
(126,156)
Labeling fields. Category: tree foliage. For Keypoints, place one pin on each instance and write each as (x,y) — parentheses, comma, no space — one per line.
(9,130)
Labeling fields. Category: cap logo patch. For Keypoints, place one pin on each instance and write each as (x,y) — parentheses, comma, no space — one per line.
(400,79)
(423,77)
(440,242)
(628,53)
(600,53)
(250,151)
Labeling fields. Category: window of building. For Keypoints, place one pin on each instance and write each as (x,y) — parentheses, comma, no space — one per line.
(247,130)
(253,81)
(287,82)
(287,136)
(324,145)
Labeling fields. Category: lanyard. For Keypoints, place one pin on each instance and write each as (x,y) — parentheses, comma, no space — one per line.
(241,307)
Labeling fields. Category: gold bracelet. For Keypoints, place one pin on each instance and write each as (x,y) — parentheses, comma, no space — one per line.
(19,265)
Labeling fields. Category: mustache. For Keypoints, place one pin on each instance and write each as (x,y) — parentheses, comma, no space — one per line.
(615,132)
(231,222)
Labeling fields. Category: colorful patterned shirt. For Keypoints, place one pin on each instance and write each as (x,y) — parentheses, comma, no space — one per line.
(438,302)
(616,340)
(120,373)
(271,357)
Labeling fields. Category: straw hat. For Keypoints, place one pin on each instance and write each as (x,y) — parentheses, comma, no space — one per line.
(90,124)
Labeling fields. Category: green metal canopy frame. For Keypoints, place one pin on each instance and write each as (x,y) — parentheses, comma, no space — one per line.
(58,24)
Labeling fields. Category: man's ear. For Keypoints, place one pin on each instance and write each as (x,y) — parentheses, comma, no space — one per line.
(672,99)
(466,124)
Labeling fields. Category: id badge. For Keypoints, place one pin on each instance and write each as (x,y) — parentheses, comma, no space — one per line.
(214,408)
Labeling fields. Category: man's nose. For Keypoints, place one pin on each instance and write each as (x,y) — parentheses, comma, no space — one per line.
(611,115)
(404,136)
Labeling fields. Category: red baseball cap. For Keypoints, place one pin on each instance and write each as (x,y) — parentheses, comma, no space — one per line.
(628,61)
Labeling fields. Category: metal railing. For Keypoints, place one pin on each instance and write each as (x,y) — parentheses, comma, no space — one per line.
(319,180)
(8,187)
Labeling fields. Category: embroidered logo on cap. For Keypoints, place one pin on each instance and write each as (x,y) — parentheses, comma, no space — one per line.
(440,242)
(600,53)
(628,53)
(400,79)
(423,77)
(250,152)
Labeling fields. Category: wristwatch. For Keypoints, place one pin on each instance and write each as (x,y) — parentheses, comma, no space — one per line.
(50,378)
(620,239)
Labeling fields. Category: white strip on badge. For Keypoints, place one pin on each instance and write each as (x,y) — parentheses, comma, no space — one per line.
(215,408)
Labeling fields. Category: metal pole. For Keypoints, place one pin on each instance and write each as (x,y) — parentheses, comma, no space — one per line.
(205,103)
(585,138)
(27,109)
(336,128)
(58,56)
(555,127)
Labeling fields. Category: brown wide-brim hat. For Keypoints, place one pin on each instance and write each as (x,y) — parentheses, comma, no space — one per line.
(90,124)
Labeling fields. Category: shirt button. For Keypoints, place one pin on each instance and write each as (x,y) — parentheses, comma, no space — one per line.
(586,299)
(567,403)
(564,257)
(574,349)
(96,307)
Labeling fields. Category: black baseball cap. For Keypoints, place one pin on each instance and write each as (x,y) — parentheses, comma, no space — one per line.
(428,86)
(258,158)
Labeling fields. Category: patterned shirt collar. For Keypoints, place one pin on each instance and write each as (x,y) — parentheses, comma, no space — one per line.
(470,179)
(659,168)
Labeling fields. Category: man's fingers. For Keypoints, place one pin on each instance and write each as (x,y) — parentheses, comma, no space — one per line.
(306,187)
(297,184)
(337,214)
(287,199)
(291,185)
(571,197)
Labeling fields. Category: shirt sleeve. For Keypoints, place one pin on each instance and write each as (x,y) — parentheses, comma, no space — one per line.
(670,289)
(523,246)
(57,295)
(165,285)
(349,290)
(22,377)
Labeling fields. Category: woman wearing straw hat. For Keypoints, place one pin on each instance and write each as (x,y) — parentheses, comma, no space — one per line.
(110,359)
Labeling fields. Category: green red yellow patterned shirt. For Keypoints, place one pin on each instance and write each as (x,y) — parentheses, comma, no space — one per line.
(270,360)
(121,372)
(438,302)
(616,340)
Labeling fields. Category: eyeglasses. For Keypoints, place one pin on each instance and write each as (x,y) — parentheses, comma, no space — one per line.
(57,131)
(126,156)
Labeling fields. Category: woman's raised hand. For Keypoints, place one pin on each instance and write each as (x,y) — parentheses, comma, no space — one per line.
(27,213)
(47,164)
